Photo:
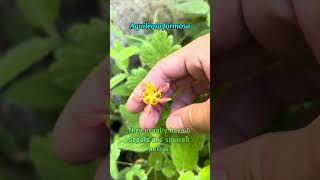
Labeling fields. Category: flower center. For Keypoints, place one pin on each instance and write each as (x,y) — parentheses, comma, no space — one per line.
(151,95)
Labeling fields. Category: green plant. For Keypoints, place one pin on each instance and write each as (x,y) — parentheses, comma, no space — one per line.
(127,159)
(56,63)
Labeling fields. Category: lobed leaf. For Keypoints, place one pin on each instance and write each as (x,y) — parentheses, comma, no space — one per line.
(40,13)
(187,176)
(136,171)
(20,58)
(157,47)
(49,167)
(131,119)
(115,80)
(37,91)
(185,155)
(135,77)
(204,173)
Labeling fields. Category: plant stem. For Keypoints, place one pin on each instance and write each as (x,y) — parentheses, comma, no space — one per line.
(125,163)
(151,168)
(155,175)
(134,38)
(198,169)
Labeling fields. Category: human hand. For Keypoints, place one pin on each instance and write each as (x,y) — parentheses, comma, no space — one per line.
(186,70)
(80,134)
(266,58)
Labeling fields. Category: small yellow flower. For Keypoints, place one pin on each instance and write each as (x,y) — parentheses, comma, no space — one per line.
(152,96)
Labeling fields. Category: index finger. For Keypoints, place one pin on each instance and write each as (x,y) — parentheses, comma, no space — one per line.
(192,60)
(80,134)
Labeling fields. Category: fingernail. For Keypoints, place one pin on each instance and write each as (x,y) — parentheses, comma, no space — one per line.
(219,175)
(175,122)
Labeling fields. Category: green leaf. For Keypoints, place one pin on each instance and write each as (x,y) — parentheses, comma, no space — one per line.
(115,80)
(157,47)
(168,168)
(114,155)
(72,65)
(37,91)
(135,77)
(18,59)
(121,90)
(49,167)
(204,174)
(122,173)
(93,36)
(12,26)
(131,119)
(185,155)
(155,160)
(8,145)
(187,176)
(126,143)
(41,13)
(136,171)
(121,56)
(86,47)
(193,8)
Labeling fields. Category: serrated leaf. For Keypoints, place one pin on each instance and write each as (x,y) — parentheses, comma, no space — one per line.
(135,77)
(187,176)
(86,48)
(157,47)
(49,167)
(68,73)
(131,119)
(126,143)
(41,13)
(168,169)
(115,80)
(18,59)
(114,155)
(93,36)
(122,56)
(204,173)
(185,155)
(136,171)
(155,160)
(121,90)
(37,91)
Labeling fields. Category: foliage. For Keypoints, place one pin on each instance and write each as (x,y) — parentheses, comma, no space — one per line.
(183,160)
(40,73)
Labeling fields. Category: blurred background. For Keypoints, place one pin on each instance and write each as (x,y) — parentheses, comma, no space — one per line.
(46,48)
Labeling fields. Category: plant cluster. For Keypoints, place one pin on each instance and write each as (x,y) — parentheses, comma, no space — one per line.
(40,73)
(132,58)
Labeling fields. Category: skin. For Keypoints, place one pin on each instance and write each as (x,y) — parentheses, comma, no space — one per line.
(269,52)
(272,59)
(188,72)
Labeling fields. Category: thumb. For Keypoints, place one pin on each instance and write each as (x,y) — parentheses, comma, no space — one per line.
(195,116)
(289,155)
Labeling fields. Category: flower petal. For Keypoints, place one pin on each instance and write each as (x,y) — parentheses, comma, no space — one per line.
(143,86)
(137,98)
(164,87)
(149,121)
(164,100)
(147,109)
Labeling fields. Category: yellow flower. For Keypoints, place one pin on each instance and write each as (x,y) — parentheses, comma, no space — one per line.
(152,96)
